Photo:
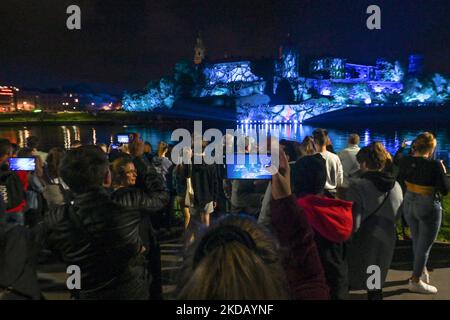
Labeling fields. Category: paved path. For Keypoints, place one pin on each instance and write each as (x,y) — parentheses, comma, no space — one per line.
(396,287)
(52,276)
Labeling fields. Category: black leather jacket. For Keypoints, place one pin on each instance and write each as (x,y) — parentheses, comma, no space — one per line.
(151,199)
(97,234)
(18,260)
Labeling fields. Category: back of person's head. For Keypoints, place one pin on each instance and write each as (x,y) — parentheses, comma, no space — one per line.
(118,169)
(54,159)
(425,143)
(320,137)
(163,147)
(310,175)
(307,147)
(5,148)
(25,152)
(84,169)
(236,259)
(289,149)
(33,142)
(375,157)
(148,147)
(136,148)
(354,139)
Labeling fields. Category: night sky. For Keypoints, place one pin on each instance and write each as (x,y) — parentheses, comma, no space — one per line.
(125,44)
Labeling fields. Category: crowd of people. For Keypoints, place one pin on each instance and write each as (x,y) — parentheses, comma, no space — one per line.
(311,232)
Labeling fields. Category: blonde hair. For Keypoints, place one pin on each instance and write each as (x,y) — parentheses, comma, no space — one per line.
(425,143)
(354,139)
(162,148)
(307,147)
(231,270)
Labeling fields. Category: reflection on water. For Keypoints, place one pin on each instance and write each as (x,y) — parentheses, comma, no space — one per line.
(390,138)
(63,136)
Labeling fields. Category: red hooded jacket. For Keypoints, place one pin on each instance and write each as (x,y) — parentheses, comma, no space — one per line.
(331,218)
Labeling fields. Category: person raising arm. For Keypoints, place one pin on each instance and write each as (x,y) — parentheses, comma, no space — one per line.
(303,267)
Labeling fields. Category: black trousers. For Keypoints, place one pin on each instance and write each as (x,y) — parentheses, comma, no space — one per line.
(334,261)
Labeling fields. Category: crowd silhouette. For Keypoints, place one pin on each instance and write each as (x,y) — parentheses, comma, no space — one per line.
(311,232)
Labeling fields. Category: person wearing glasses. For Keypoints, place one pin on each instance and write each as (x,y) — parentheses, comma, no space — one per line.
(151,199)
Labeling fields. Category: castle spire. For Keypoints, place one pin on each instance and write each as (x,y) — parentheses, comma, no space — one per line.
(199,50)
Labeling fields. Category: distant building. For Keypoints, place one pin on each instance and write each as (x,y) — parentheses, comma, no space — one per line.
(7,99)
(12,99)
(328,68)
(27,100)
(358,71)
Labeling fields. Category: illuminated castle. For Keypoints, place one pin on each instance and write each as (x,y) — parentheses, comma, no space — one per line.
(279,90)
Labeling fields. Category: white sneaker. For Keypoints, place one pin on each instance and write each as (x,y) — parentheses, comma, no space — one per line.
(421,287)
(425,277)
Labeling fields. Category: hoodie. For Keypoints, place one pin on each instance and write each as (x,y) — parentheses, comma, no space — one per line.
(331,218)
(383,181)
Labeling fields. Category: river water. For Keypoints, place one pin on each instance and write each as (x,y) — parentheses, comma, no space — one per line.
(63,136)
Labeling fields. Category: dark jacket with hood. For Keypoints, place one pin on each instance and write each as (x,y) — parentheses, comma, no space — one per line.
(331,220)
(376,198)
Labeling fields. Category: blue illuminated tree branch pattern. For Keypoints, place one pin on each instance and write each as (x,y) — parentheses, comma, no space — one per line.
(234,89)
(229,72)
(434,90)
(332,68)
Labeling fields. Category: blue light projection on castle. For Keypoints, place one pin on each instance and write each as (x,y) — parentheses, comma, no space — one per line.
(275,90)
(231,79)
(229,72)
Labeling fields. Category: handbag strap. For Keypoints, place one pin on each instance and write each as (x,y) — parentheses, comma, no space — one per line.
(382,203)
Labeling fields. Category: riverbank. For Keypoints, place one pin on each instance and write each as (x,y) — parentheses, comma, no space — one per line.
(63,118)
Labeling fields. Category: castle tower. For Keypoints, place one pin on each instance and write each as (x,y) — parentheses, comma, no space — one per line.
(415,67)
(288,56)
(199,50)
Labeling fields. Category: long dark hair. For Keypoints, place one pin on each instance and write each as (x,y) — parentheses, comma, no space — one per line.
(54,159)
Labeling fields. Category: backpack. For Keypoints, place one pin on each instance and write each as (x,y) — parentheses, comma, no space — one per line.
(11,189)
(56,193)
